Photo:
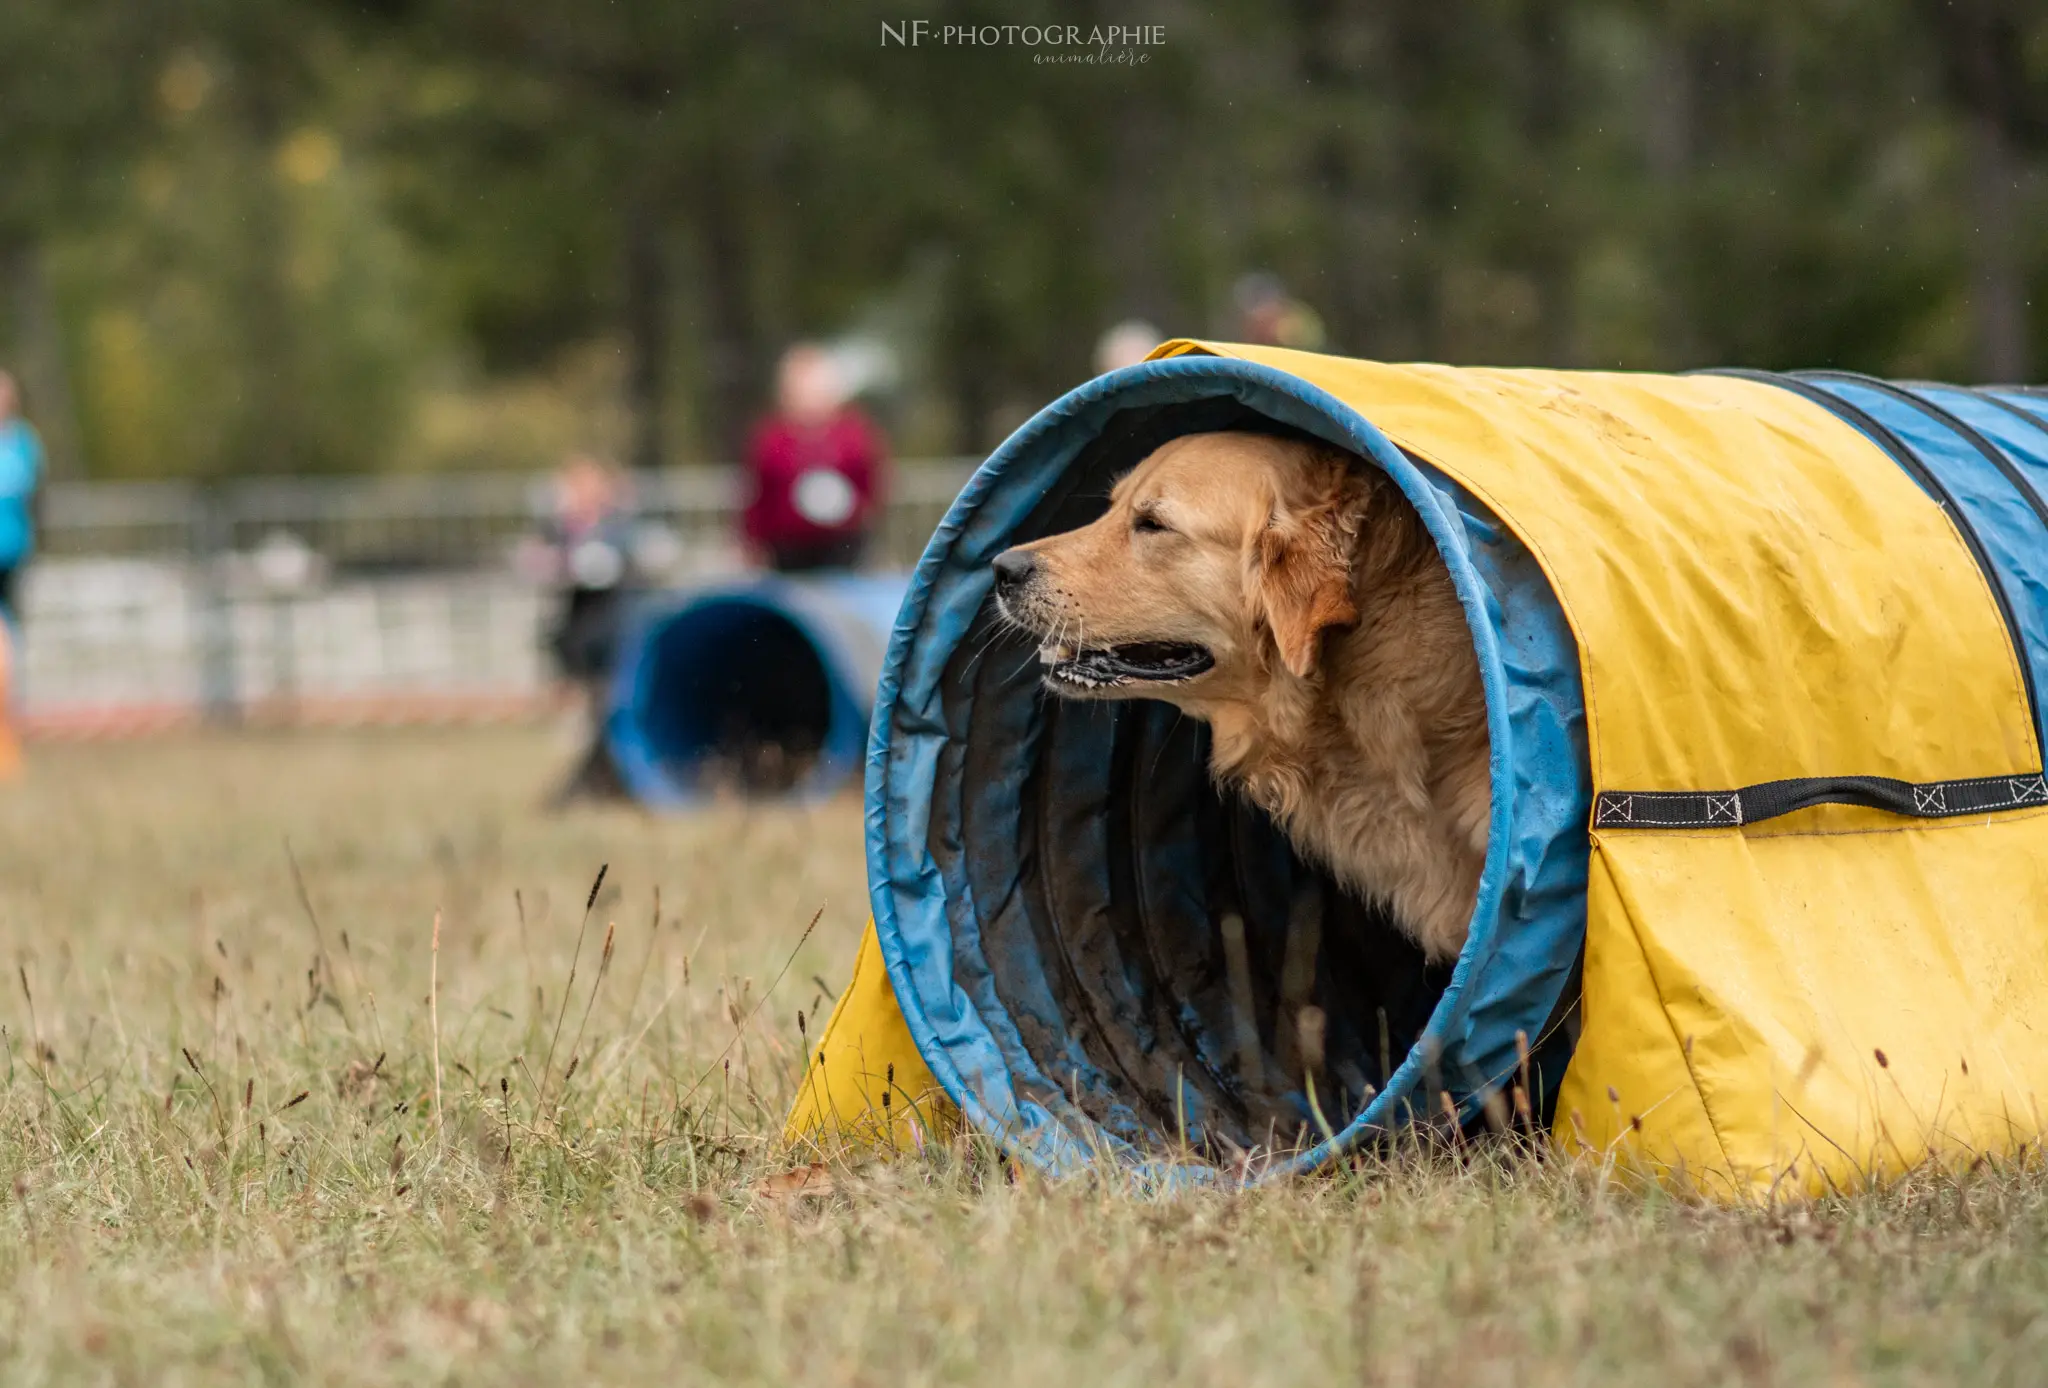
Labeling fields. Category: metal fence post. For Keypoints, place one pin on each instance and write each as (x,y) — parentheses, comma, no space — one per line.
(212,537)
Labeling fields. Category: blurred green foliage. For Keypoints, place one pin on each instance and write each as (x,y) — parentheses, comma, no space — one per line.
(283,235)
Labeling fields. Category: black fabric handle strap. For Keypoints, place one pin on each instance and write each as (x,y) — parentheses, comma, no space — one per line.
(1711,809)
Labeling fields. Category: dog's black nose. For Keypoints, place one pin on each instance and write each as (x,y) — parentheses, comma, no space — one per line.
(1013,567)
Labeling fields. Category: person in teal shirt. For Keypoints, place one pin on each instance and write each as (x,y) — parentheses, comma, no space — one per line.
(21,470)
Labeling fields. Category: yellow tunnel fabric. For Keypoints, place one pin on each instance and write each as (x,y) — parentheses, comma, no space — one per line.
(1759,592)
(865,1052)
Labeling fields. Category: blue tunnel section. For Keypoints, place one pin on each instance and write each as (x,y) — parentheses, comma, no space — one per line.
(763,687)
(1100,954)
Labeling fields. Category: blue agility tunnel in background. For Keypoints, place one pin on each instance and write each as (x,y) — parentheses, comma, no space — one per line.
(762,686)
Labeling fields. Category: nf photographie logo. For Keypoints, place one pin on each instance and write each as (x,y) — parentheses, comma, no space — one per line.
(1092,45)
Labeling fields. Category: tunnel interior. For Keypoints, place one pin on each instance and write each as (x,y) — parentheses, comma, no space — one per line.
(1153,942)
(735,695)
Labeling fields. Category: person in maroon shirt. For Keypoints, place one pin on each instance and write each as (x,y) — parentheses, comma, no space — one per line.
(815,469)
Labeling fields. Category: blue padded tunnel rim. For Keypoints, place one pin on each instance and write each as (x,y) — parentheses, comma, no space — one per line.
(642,770)
(901,870)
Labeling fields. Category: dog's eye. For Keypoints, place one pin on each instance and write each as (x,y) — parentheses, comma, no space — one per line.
(1146,523)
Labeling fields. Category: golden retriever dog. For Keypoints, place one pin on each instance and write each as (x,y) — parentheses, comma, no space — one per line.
(1286,593)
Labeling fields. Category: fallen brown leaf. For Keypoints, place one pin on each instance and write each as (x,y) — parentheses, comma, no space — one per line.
(815,1179)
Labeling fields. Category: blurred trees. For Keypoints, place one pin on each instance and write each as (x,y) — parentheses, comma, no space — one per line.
(273,235)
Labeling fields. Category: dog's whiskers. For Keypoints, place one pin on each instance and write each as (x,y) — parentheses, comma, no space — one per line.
(996,632)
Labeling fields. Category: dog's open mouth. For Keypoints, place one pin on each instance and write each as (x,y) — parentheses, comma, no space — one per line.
(1108,667)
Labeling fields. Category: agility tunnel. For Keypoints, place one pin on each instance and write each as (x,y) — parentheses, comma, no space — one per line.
(763,687)
(1765,904)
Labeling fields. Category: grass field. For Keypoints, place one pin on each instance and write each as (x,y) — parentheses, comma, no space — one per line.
(225,1160)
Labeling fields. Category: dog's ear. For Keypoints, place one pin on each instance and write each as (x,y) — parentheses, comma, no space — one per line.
(1299,579)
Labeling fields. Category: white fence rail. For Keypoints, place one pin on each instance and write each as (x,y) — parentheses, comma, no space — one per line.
(153,602)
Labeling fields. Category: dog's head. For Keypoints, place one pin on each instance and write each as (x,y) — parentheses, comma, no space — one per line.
(1223,559)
